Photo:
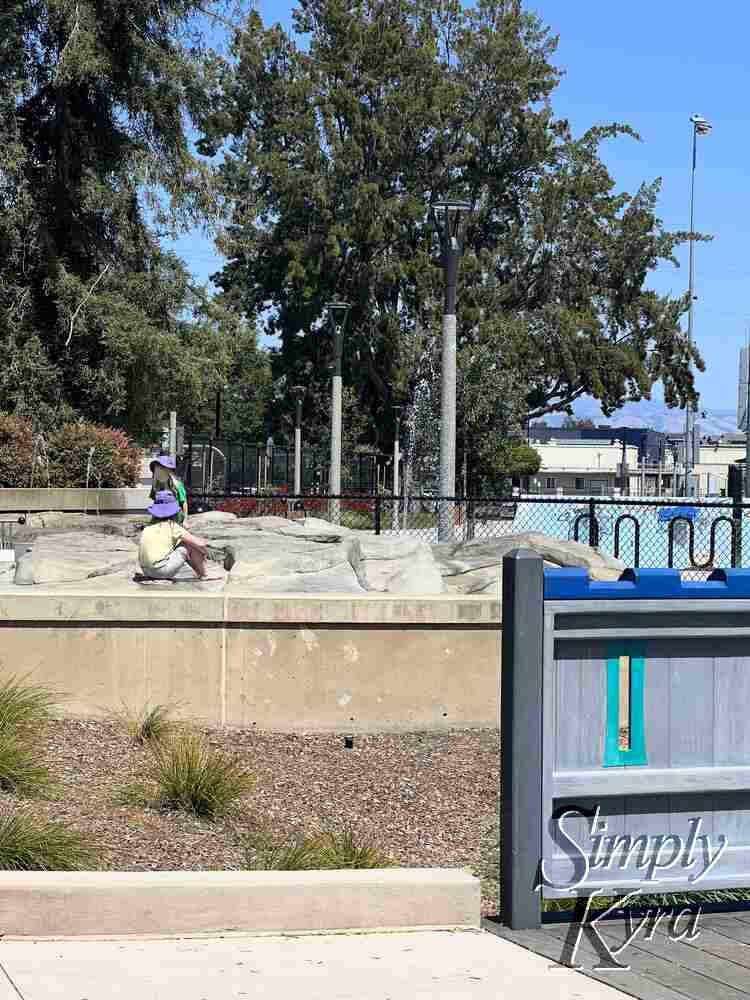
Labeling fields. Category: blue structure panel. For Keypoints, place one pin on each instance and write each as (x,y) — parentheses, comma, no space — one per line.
(645,584)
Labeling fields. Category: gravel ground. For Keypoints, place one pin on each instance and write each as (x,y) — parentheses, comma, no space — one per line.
(426,799)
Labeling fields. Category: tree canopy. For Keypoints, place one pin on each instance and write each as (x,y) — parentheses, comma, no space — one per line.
(316,153)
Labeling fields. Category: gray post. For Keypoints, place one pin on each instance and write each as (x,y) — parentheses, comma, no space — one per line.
(335,477)
(521,736)
(298,448)
(173,434)
(448,428)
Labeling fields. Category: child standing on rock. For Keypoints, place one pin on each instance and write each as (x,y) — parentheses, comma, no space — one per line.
(166,479)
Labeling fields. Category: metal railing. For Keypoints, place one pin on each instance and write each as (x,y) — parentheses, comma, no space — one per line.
(694,536)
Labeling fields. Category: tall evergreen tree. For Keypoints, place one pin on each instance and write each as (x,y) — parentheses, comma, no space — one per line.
(95,165)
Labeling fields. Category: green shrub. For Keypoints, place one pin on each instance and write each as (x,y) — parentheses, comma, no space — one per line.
(17,452)
(114,463)
(147,725)
(322,849)
(28,843)
(194,777)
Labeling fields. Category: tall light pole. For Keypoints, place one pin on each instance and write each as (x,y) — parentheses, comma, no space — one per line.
(396,461)
(447,217)
(337,314)
(700,127)
(298,392)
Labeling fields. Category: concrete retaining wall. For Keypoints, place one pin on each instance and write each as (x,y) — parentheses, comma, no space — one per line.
(287,663)
(102,904)
(133,500)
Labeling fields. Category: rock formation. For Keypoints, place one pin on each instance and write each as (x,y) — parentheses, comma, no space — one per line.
(274,555)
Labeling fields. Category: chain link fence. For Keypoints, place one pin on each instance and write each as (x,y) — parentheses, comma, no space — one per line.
(694,536)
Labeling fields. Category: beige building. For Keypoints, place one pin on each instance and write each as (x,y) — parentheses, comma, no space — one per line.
(585,468)
(593,468)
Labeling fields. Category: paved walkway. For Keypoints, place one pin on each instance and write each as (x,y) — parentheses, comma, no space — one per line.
(402,966)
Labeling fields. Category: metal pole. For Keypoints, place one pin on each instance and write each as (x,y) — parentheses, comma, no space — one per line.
(217,435)
(173,434)
(690,412)
(747,424)
(396,483)
(448,394)
(335,474)
(298,449)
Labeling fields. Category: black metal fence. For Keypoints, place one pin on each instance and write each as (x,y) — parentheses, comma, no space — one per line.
(221,466)
(695,536)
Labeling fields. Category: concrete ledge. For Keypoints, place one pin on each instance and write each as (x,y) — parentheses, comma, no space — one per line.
(76,904)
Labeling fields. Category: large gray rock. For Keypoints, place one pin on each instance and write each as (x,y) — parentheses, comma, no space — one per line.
(77,555)
(476,566)
(393,565)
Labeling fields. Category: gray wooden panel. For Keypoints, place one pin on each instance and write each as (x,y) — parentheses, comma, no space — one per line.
(580,706)
(657,699)
(691,703)
(732,736)
(635,780)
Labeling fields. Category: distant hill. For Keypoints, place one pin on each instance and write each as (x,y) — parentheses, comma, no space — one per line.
(650,413)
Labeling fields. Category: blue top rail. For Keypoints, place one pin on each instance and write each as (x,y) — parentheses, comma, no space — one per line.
(641,584)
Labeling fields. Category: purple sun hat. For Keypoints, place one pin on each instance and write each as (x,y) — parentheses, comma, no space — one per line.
(164,505)
(165,461)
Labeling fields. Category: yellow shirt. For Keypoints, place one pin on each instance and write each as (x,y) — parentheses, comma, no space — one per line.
(158,541)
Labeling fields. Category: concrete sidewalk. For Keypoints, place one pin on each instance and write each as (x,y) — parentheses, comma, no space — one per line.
(422,965)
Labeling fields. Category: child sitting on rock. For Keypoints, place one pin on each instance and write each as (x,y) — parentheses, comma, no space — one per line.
(165,546)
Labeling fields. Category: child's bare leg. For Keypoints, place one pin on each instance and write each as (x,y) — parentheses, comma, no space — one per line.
(197,561)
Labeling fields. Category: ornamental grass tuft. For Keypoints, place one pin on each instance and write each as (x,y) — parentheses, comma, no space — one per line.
(192,776)
(28,843)
(321,849)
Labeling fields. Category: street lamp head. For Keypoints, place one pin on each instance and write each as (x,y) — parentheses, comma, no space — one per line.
(701,125)
(447,218)
(337,313)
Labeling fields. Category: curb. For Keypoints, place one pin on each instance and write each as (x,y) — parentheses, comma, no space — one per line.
(77,904)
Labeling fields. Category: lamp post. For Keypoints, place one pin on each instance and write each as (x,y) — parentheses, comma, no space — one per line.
(700,127)
(396,461)
(337,314)
(298,392)
(447,217)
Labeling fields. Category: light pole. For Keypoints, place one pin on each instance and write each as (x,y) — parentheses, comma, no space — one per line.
(396,461)
(337,314)
(298,392)
(700,127)
(447,217)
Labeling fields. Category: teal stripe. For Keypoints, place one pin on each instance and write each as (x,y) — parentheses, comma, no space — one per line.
(613,755)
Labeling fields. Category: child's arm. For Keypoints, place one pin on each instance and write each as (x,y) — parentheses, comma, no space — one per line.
(193,542)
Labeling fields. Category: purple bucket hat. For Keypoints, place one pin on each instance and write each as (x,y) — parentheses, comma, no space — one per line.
(165,505)
(165,461)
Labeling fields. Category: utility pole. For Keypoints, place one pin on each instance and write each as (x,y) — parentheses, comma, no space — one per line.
(298,392)
(700,127)
(396,462)
(337,313)
(447,218)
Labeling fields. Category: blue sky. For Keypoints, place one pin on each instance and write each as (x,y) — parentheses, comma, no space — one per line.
(651,65)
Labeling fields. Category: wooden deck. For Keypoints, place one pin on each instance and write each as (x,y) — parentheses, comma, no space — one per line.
(715,965)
